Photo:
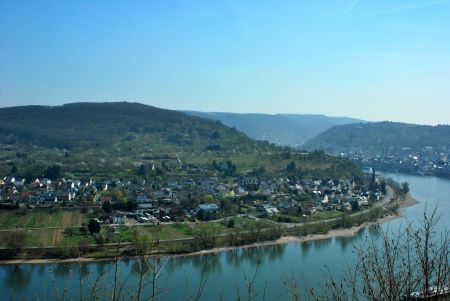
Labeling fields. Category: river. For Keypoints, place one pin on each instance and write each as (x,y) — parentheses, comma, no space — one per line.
(224,273)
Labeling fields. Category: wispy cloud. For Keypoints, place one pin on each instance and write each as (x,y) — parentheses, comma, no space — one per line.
(412,7)
(350,8)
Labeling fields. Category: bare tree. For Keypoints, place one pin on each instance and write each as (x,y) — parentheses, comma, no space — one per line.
(200,290)
(250,283)
(409,264)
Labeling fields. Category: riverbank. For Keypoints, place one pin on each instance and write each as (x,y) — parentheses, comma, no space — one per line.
(342,232)
(407,201)
(345,232)
(400,202)
(404,202)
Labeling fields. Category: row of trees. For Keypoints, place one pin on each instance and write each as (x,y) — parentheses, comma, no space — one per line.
(401,189)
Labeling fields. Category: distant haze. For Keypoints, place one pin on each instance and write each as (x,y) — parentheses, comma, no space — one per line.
(281,129)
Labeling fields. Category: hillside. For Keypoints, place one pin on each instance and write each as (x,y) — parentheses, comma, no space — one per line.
(116,140)
(374,137)
(282,129)
(97,124)
(320,123)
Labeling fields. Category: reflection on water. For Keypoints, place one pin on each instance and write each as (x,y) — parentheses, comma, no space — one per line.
(344,242)
(275,252)
(319,244)
(224,271)
(18,276)
(101,267)
(84,269)
(141,267)
(204,265)
(347,243)
(374,231)
(214,262)
(232,258)
(305,246)
(62,270)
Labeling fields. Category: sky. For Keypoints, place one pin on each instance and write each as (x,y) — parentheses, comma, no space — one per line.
(374,60)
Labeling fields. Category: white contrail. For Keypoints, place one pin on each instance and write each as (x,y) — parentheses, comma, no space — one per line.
(350,8)
(412,7)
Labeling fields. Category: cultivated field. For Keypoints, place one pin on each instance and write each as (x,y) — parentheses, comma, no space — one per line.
(40,219)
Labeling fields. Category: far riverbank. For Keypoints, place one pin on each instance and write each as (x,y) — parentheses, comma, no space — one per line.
(406,201)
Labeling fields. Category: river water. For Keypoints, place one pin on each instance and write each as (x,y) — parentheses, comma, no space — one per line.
(225,273)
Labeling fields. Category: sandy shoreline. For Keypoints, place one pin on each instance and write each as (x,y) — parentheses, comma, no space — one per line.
(408,201)
(347,232)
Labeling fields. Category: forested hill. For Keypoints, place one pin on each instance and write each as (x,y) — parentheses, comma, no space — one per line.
(104,124)
(381,135)
(282,129)
(106,140)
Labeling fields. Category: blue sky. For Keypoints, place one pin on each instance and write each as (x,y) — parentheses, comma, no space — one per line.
(376,60)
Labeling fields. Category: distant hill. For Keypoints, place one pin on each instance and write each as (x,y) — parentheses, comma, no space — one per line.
(282,129)
(117,140)
(378,136)
(97,124)
(110,138)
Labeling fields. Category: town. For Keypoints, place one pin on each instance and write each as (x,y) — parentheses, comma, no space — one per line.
(193,193)
(421,161)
